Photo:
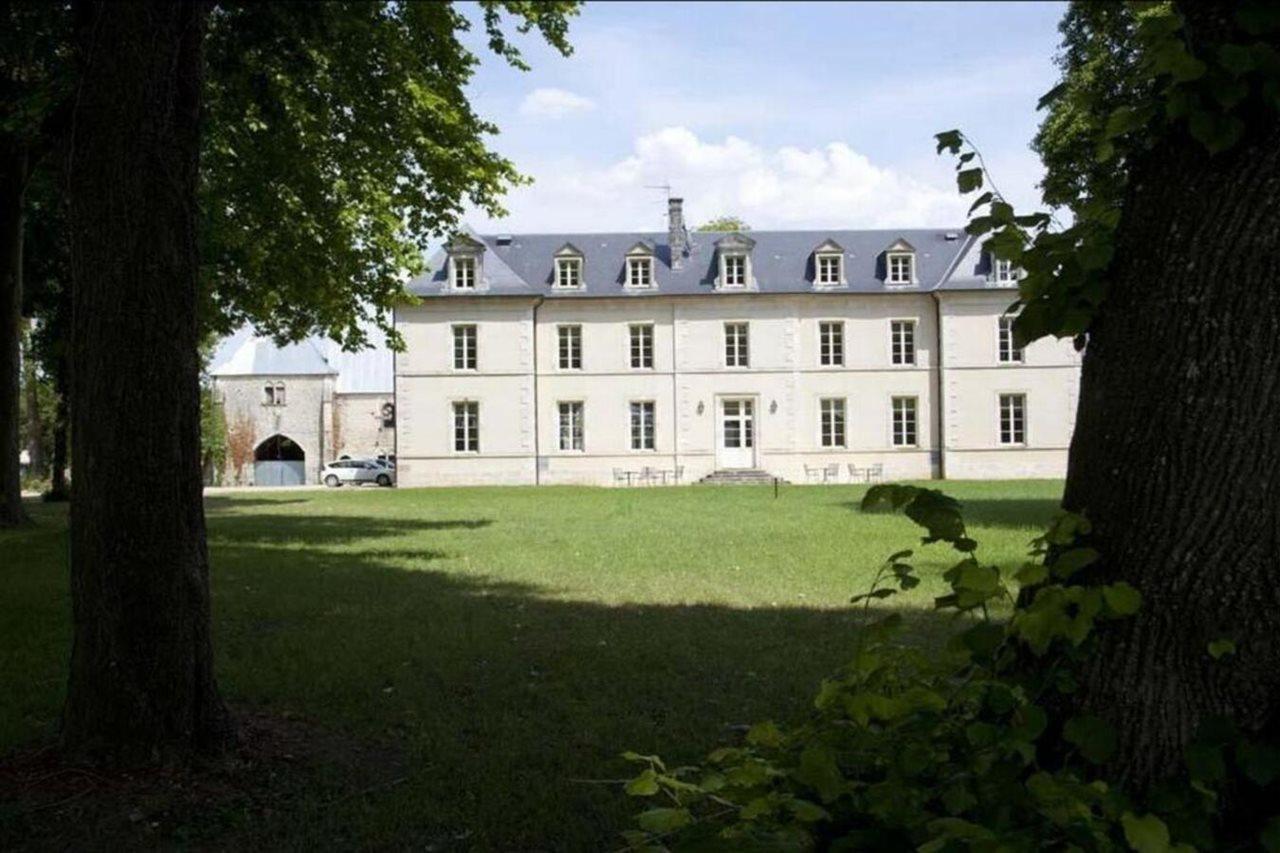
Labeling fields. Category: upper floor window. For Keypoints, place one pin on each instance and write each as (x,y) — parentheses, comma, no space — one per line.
(571,426)
(736,353)
(641,346)
(1003,272)
(902,341)
(570,347)
(831,410)
(1009,352)
(464,347)
(640,272)
(273,394)
(735,271)
(902,268)
(464,273)
(466,427)
(1013,418)
(904,422)
(568,272)
(830,269)
(831,343)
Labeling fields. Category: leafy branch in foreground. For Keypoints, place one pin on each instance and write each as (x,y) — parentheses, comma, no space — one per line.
(1065,270)
(961,748)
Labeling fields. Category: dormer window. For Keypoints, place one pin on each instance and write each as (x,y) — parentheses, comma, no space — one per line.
(568,268)
(464,273)
(639,272)
(464,262)
(829,270)
(902,268)
(735,271)
(1003,271)
(828,265)
(900,264)
(639,267)
(734,252)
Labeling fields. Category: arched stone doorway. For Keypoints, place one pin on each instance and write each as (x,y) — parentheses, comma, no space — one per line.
(279,461)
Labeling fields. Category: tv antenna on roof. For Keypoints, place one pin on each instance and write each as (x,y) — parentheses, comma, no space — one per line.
(666,187)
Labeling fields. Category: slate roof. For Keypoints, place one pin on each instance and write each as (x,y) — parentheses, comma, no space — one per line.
(367,371)
(782,262)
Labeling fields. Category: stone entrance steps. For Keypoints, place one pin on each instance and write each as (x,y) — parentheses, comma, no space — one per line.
(740,477)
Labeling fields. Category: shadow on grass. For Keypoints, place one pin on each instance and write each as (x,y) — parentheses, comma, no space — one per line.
(512,704)
(217,502)
(1008,513)
(326,529)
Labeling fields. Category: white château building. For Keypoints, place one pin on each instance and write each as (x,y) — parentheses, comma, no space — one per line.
(577,358)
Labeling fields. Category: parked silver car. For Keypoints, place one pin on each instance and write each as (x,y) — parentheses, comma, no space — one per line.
(356,472)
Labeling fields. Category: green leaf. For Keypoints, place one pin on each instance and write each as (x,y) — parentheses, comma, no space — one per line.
(1206,762)
(1270,835)
(1259,761)
(949,140)
(1031,574)
(664,820)
(1220,647)
(1126,120)
(1122,599)
(1216,132)
(1146,834)
(1068,563)
(808,812)
(818,770)
(983,638)
(969,180)
(1052,95)
(1093,736)
(980,201)
(644,785)
(1236,59)
(764,734)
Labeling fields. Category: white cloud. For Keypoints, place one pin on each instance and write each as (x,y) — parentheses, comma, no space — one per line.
(552,103)
(832,186)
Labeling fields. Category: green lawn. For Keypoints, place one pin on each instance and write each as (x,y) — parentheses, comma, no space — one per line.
(511,642)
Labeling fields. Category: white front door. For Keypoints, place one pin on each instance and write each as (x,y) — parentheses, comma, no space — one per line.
(737,433)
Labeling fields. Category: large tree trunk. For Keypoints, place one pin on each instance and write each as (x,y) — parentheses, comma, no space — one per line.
(1176,454)
(141,685)
(14,172)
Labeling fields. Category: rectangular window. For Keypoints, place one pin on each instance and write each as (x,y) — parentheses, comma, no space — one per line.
(464,347)
(273,394)
(902,336)
(466,427)
(464,273)
(828,269)
(570,347)
(831,343)
(571,426)
(735,271)
(642,432)
(904,422)
(900,269)
(832,410)
(1013,418)
(1009,353)
(642,346)
(640,272)
(1003,271)
(736,353)
(568,272)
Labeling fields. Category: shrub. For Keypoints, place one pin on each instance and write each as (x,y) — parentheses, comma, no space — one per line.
(961,749)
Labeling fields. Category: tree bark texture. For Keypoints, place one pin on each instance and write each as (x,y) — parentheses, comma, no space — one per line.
(1176,453)
(141,686)
(14,171)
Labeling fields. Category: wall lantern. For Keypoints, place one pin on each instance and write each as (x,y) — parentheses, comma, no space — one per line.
(773,407)
(700,407)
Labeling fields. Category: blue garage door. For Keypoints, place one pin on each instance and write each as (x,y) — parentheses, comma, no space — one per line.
(278,473)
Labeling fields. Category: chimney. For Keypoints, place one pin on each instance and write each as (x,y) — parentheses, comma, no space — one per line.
(677,234)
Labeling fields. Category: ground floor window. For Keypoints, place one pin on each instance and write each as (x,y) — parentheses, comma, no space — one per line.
(571,426)
(466,427)
(642,437)
(1013,418)
(904,422)
(832,417)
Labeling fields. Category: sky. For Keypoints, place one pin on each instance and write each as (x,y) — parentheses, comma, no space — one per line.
(789,115)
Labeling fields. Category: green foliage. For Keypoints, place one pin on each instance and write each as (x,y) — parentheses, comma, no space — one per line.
(724,223)
(1133,77)
(964,750)
(338,139)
